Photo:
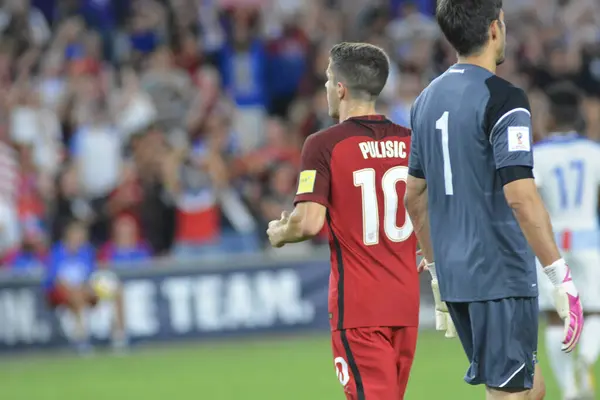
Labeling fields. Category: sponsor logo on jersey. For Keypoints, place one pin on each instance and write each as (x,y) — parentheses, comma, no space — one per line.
(306,183)
(518,138)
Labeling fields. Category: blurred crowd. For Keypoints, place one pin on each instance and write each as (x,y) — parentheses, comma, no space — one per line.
(174,127)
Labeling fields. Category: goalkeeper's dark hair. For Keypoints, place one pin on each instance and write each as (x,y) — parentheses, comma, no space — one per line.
(466,23)
(565,105)
(363,68)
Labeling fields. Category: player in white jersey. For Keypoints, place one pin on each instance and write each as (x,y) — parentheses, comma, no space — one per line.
(567,172)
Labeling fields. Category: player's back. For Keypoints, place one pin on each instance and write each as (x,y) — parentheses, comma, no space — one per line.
(374,281)
(467,125)
(567,172)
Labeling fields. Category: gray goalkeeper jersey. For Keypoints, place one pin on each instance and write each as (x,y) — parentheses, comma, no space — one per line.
(468,124)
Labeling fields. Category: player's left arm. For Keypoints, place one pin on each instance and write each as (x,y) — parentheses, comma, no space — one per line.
(510,137)
(312,198)
(509,128)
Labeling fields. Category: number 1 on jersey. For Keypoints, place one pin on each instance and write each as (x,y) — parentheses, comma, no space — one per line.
(442,125)
(365,178)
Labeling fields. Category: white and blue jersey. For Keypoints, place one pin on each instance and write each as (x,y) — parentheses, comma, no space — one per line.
(567,173)
(70,267)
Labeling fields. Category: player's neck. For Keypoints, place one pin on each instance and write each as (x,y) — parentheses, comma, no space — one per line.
(480,60)
(356,109)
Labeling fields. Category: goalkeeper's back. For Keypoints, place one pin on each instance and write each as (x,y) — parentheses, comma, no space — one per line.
(469,128)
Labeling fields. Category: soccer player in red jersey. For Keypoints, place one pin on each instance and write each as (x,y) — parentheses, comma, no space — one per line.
(353,175)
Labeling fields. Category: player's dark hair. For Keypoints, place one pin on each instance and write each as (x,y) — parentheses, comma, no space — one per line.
(466,23)
(363,68)
(565,103)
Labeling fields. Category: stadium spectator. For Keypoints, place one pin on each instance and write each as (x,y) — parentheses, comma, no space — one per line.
(68,203)
(182,95)
(156,210)
(279,147)
(31,256)
(189,56)
(70,266)
(243,64)
(278,192)
(9,179)
(170,90)
(25,31)
(31,205)
(411,24)
(96,149)
(132,107)
(288,52)
(208,99)
(35,126)
(127,196)
(126,245)
(146,27)
(409,87)
(195,180)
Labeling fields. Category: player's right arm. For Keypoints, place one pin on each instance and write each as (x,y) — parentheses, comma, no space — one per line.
(415,201)
(312,199)
(508,119)
(415,198)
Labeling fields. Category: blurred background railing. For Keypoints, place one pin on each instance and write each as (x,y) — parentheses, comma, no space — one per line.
(173,128)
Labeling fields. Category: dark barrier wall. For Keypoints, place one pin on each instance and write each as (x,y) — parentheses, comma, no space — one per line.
(234,298)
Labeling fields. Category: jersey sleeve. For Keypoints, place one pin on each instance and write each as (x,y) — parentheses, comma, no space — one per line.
(315,173)
(508,120)
(415,168)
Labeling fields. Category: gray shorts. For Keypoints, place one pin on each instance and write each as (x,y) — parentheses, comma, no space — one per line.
(500,339)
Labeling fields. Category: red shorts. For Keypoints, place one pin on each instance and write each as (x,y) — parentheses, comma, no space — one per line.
(59,296)
(374,363)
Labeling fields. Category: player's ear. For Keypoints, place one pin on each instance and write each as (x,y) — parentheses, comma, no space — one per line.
(495,29)
(341,90)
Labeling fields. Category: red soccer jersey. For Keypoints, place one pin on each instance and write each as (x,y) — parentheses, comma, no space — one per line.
(358,169)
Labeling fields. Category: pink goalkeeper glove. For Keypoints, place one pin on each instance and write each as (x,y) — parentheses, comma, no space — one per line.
(567,303)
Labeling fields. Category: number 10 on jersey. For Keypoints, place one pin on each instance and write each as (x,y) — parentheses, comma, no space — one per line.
(366,180)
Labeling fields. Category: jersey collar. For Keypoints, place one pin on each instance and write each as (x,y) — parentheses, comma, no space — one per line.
(374,118)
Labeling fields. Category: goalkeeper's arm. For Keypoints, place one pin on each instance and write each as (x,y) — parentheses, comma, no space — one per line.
(415,201)
(524,199)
